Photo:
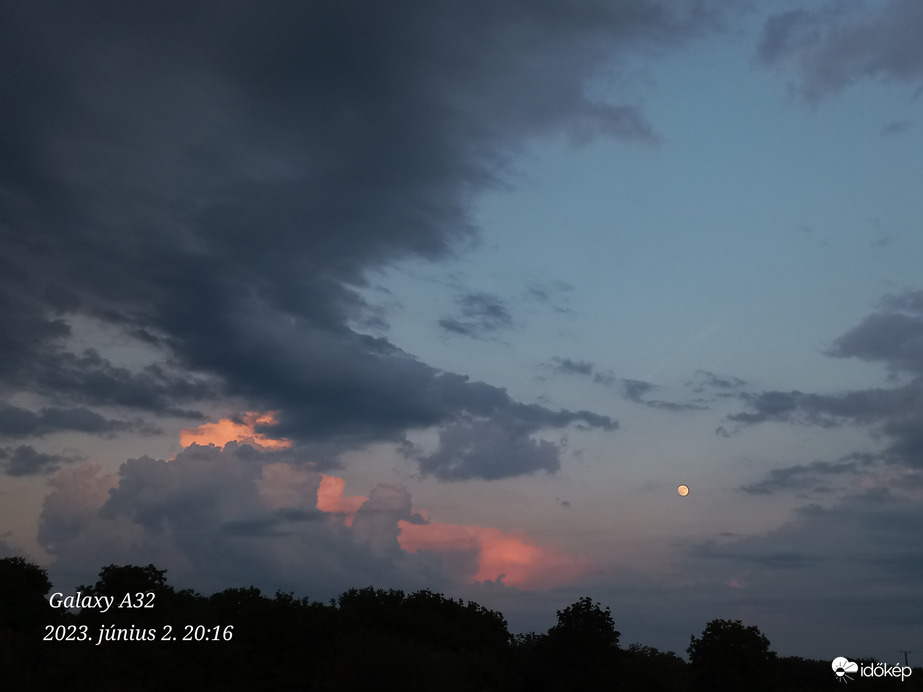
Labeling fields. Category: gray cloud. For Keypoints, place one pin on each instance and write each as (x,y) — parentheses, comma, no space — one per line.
(705,382)
(566,366)
(20,422)
(834,45)
(636,390)
(479,314)
(25,460)
(605,379)
(893,337)
(489,449)
(273,523)
(633,390)
(551,294)
(218,182)
(807,477)
(869,532)
(502,445)
(375,525)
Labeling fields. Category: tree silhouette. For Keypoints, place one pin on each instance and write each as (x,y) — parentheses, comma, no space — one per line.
(586,626)
(24,612)
(730,656)
(649,669)
(23,587)
(420,640)
(582,647)
(115,580)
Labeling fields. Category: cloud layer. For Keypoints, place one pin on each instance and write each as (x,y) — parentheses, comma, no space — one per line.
(216,185)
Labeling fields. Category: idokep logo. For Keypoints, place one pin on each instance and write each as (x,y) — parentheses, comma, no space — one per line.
(843,666)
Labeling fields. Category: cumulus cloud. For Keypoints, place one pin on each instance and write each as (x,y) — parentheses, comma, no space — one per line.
(214,515)
(218,515)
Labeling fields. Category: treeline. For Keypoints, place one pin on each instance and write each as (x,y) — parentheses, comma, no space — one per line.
(135,632)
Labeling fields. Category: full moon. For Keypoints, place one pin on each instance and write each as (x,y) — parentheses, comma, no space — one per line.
(683,490)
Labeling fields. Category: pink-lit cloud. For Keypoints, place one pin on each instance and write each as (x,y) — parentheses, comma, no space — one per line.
(496,555)
(500,555)
(330,498)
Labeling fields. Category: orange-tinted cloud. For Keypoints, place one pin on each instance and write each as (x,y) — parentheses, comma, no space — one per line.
(330,498)
(226,430)
(500,554)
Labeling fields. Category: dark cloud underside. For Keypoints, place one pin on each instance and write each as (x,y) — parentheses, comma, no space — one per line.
(216,182)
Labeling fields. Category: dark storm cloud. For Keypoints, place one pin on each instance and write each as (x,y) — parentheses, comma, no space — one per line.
(25,460)
(20,422)
(894,337)
(91,379)
(479,314)
(218,181)
(834,45)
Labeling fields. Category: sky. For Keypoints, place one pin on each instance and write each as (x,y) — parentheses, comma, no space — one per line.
(442,295)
